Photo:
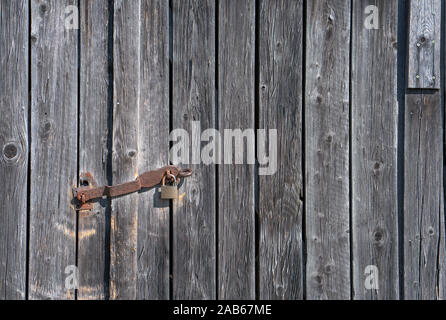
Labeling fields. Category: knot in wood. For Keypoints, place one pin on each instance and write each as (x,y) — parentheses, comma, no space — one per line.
(379,237)
(12,152)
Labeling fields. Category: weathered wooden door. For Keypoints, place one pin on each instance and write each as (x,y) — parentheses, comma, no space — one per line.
(353,210)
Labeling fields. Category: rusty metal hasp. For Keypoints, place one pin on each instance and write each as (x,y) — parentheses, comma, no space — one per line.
(90,191)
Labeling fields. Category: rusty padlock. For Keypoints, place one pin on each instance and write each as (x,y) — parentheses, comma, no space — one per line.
(169,192)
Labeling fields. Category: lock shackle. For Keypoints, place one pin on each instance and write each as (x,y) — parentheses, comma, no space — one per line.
(171,176)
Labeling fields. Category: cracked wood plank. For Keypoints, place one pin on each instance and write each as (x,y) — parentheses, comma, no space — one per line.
(374,114)
(194,249)
(54,107)
(280,107)
(327,150)
(423,197)
(14,144)
(424,44)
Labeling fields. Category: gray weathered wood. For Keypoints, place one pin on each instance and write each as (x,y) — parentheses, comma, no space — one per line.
(327,150)
(153,213)
(194,262)
(423,196)
(351,217)
(424,44)
(374,112)
(280,107)
(93,145)
(126,104)
(54,107)
(14,26)
(442,243)
(236,217)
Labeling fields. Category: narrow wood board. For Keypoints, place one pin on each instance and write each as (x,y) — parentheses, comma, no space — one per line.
(236,217)
(327,147)
(153,139)
(424,44)
(423,196)
(126,105)
(280,205)
(194,236)
(14,146)
(374,115)
(54,135)
(94,145)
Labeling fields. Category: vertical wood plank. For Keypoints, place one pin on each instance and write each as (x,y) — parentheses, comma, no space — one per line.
(14,75)
(194,100)
(423,196)
(374,113)
(126,100)
(93,145)
(236,243)
(327,150)
(280,107)
(153,213)
(424,44)
(442,235)
(54,106)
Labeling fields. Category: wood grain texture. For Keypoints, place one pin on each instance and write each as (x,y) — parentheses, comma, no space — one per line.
(442,236)
(423,196)
(236,242)
(424,44)
(280,107)
(194,249)
(93,244)
(14,144)
(60,108)
(327,150)
(126,105)
(153,213)
(374,113)
(54,106)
